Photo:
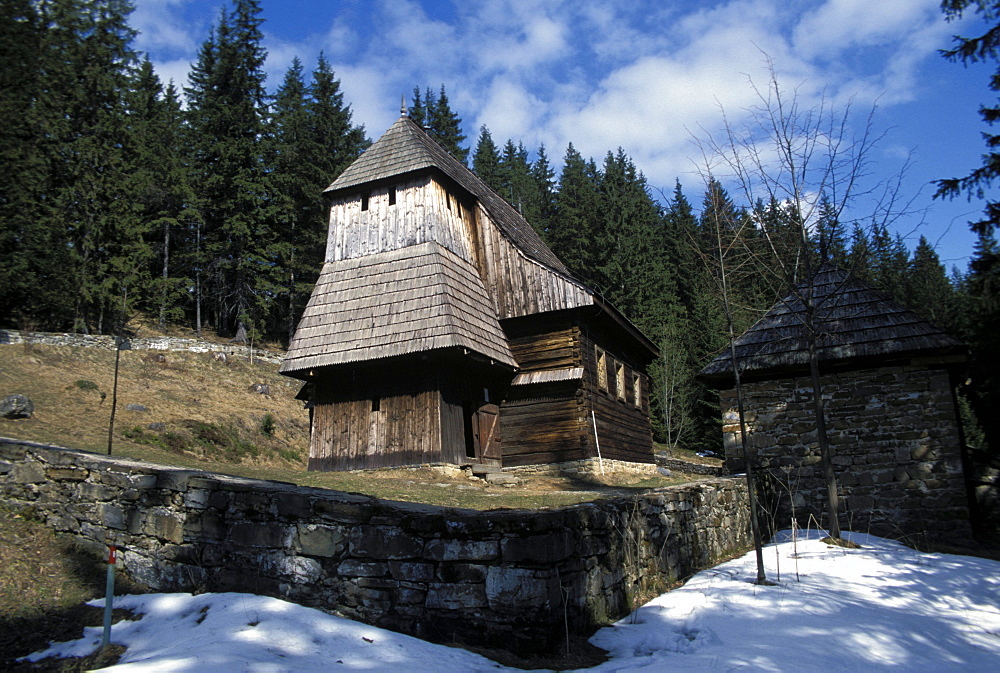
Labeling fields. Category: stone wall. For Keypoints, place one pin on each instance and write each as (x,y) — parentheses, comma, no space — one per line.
(895,444)
(163,343)
(507,578)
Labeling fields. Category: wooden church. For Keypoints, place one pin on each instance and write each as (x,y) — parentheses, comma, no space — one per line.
(443,329)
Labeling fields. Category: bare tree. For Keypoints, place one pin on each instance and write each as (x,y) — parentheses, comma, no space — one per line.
(728,235)
(791,158)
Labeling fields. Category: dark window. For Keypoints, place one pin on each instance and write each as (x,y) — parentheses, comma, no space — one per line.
(364,201)
(376,404)
(392,196)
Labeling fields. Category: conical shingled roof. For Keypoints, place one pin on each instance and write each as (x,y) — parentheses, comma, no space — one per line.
(406,148)
(855,325)
(412,300)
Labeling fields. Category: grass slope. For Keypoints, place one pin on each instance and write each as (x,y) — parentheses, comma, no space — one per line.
(212,420)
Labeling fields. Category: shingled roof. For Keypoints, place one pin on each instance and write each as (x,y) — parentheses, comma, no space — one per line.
(415,299)
(406,148)
(855,325)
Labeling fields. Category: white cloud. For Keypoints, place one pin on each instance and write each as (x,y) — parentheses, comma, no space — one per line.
(162,27)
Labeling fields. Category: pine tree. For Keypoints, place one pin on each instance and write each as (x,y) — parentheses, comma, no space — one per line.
(486,161)
(227,104)
(88,58)
(544,190)
(446,127)
(314,140)
(571,232)
(433,113)
(928,290)
(983,335)
(418,108)
(34,252)
(162,191)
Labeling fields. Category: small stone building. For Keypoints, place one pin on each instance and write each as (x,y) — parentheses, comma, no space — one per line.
(443,329)
(887,379)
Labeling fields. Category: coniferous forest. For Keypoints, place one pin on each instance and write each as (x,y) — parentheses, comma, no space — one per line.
(198,205)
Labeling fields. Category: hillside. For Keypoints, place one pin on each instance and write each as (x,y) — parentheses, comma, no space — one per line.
(203,413)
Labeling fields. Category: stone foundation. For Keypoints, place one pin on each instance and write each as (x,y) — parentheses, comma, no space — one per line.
(506,578)
(587,466)
(895,443)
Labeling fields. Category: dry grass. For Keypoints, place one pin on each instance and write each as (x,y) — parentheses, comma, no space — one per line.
(44,582)
(213,421)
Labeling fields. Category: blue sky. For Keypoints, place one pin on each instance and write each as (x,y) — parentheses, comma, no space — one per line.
(645,75)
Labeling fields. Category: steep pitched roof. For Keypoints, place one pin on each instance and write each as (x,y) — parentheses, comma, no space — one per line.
(854,323)
(415,299)
(406,148)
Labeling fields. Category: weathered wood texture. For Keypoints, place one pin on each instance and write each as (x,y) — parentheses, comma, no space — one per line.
(547,418)
(407,412)
(518,284)
(853,324)
(417,299)
(424,211)
(622,420)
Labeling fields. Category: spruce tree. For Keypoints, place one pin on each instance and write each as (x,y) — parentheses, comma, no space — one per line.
(227,104)
(571,232)
(928,290)
(88,59)
(486,161)
(34,252)
(446,126)
(314,140)
(544,190)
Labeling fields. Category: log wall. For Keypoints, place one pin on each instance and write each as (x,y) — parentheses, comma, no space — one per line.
(552,422)
(622,424)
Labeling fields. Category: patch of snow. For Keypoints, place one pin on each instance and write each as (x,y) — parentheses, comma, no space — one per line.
(880,608)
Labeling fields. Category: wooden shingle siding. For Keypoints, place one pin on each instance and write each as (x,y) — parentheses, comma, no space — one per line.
(853,323)
(518,284)
(405,148)
(417,299)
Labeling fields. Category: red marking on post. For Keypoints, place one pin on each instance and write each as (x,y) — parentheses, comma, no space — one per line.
(111,555)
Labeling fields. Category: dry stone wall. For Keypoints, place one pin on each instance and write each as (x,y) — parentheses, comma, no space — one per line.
(895,443)
(163,343)
(506,578)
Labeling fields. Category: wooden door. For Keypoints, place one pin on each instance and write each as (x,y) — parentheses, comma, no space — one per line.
(488,434)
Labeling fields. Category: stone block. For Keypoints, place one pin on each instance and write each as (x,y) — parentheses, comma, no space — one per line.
(455,596)
(142,481)
(165,527)
(346,509)
(521,591)
(384,542)
(411,571)
(462,550)
(112,516)
(67,473)
(355,568)
(254,534)
(174,480)
(96,492)
(196,498)
(461,573)
(294,505)
(28,473)
(538,548)
(323,541)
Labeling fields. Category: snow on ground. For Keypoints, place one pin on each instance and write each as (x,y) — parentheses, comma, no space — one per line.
(883,607)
